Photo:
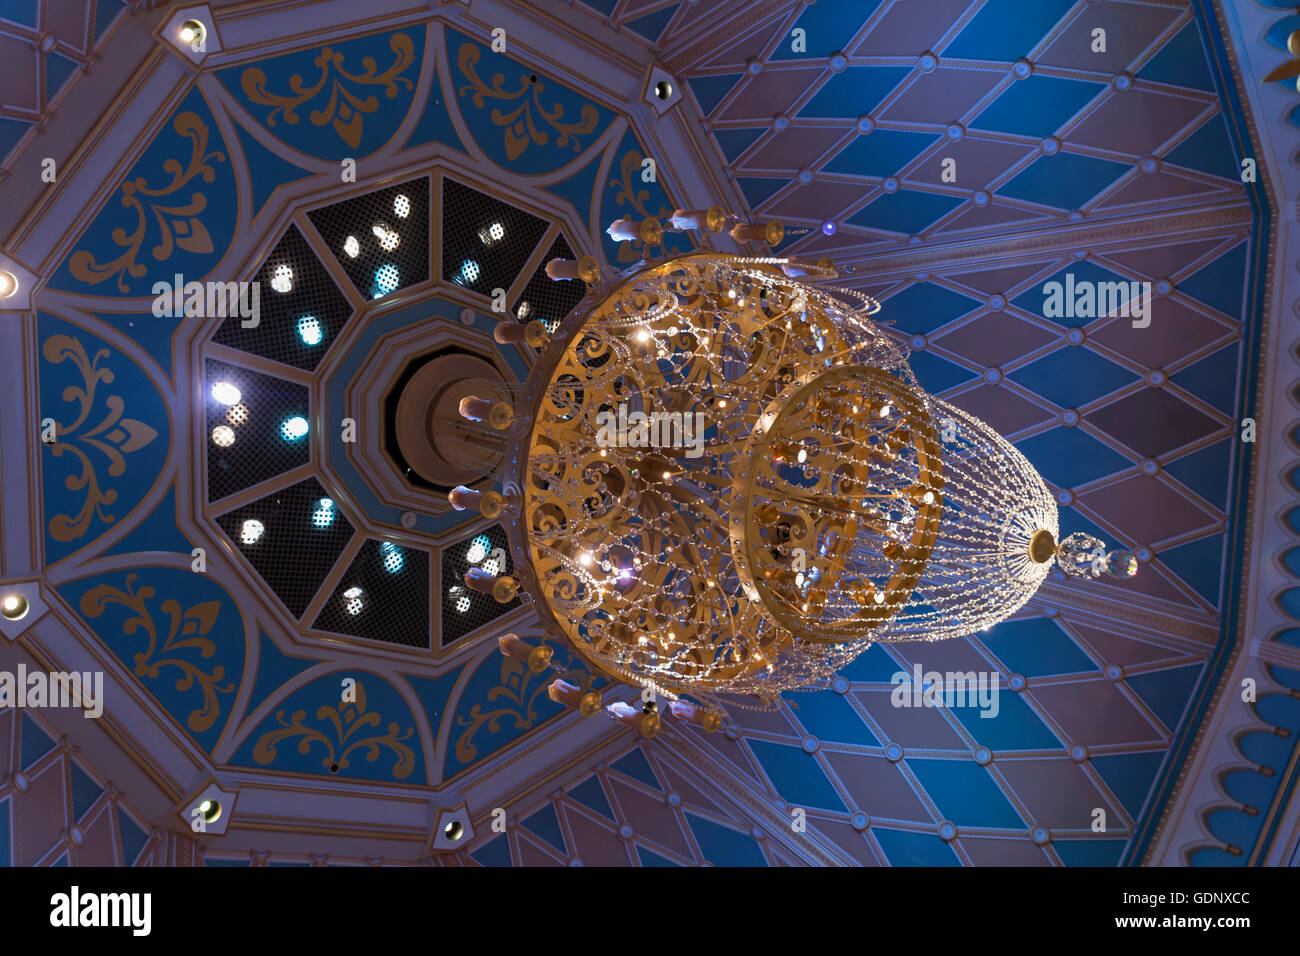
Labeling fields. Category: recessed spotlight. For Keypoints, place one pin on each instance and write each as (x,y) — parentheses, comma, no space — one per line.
(226,393)
(664,90)
(294,428)
(251,530)
(223,436)
(454,830)
(401,207)
(8,284)
(282,279)
(14,607)
(193,32)
(210,810)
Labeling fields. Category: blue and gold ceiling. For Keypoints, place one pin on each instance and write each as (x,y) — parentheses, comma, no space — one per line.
(382,184)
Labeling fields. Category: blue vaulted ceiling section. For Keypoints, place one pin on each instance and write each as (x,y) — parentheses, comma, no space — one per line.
(262,689)
(1134,426)
(245,679)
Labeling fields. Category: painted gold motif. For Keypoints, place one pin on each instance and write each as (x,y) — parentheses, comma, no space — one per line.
(520,124)
(113,436)
(185,639)
(177,222)
(345,110)
(345,721)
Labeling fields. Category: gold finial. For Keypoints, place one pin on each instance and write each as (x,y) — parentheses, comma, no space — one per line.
(1042,546)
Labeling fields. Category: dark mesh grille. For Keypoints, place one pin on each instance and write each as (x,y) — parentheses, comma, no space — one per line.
(546,299)
(294,553)
(377,271)
(481,607)
(286,324)
(259,450)
(393,601)
(472,256)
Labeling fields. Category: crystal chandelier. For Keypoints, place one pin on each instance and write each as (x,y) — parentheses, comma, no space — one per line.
(721,481)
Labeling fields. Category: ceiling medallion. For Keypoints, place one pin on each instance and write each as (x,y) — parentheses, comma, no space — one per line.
(721,481)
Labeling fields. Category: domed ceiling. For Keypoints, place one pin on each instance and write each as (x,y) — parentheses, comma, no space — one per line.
(235,528)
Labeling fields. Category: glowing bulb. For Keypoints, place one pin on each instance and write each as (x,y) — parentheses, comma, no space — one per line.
(8,284)
(586,559)
(469,271)
(251,530)
(478,549)
(462,604)
(386,280)
(293,428)
(323,516)
(11,603)
(352,247)
(643,335)
(388,240)
(237,414)
(309,330)
(282,279)
(393,557)
(401,207)
(885,410)
(353,603)
(803,455)
(223,436)
(491,566)
(722,403)
(226,393)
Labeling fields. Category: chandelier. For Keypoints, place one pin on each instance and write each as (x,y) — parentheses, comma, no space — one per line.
(721,482)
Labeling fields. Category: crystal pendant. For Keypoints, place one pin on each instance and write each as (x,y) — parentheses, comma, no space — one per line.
(1121,564)
(1081,555)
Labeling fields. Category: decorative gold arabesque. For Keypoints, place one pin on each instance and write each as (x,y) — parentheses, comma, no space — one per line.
(179,225)
(520,125)
(345,110)
(113,436)
(722,482)
(185,638)
(345,721)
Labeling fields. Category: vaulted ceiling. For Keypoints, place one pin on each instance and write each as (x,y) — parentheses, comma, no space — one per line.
(326,558)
